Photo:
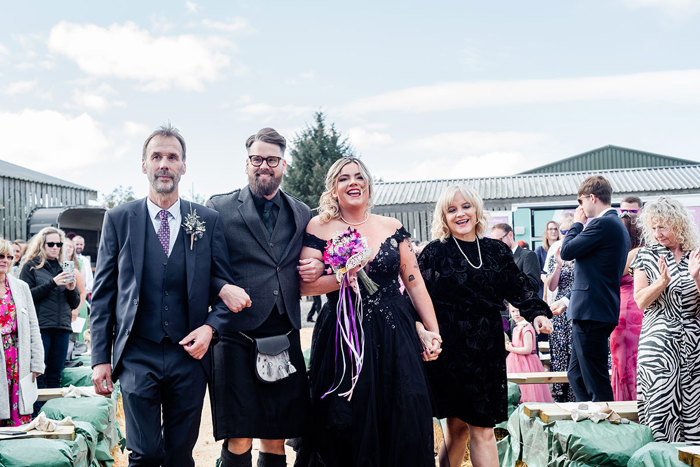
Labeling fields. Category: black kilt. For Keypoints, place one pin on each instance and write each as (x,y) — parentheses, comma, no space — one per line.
(245,407)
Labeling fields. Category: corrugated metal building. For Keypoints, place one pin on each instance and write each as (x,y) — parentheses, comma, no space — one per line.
(413,202)
(22,190)
(610,157)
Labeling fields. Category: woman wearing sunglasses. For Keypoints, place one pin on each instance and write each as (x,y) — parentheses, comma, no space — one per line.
(22,353)
(55,296)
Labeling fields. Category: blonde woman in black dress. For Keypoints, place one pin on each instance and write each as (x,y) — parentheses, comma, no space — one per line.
(468,277)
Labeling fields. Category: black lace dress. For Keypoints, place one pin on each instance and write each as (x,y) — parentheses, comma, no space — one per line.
(388,421)
(468,380)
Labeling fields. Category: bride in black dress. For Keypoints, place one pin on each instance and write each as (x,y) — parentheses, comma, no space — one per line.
(468,277)
(388,420)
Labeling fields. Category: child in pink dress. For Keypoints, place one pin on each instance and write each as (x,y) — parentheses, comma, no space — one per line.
(523,358)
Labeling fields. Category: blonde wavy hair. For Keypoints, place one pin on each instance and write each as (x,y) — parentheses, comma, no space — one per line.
(328,208)
(35,247)
(6,247)
(675,217)
(440,230)
(74,256)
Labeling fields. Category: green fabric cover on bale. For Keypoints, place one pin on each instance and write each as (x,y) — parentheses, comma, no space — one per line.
(90,435)
(98,411)
(77,376)
(86,359)
(587,443)
(513,402)
(37,451)
(657,455)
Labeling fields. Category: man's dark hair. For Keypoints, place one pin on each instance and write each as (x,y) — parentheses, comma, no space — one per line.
(166,130)
(596,185)
(633,199)
(267,135)
(504,227)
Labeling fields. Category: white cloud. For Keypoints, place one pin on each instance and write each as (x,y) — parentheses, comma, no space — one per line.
(362,137)
(4,50)
(125,51)
(675,8)
(484,165)
(135,129)
(679,87)
(95,100)
(53,143)
(191,7)
(474,143)
(236,24)
(20,87)
(267,111)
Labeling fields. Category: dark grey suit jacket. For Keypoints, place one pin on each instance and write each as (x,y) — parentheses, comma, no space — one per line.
(253,263)
(120,258)
(528,263)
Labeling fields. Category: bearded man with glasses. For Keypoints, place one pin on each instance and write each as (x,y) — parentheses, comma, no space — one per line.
(264,228)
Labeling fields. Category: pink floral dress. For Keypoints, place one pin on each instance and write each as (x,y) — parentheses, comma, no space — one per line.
(8,330)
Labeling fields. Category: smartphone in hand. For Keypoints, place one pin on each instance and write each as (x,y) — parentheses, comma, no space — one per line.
(69,267)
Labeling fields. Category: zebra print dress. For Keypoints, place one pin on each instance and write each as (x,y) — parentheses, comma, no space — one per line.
(668,365)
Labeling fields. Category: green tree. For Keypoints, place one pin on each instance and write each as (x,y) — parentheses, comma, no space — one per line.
(119,195)
(315,150)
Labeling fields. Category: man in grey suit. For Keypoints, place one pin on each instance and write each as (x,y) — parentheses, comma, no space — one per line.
(264,229)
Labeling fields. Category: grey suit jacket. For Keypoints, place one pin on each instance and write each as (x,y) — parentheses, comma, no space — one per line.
(29,346)
(253,263)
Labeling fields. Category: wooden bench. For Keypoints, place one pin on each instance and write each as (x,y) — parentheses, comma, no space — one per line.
(62,432)
(550,412)
(689,455)
(54,393)
(543,346)
(540,377)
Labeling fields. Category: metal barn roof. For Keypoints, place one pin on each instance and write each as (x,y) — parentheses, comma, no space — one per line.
(543,185)
(22,173)
(610,157)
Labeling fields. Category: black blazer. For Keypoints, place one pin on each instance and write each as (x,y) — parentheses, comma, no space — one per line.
(115,297)
(600,252)
(253,263)
(529,264)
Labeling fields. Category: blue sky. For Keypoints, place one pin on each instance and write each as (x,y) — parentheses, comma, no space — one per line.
(422,90)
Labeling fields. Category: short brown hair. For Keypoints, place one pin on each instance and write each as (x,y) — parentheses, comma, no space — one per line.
(596,185)
(633,199)
(166,131)
(267,135)
(504,227)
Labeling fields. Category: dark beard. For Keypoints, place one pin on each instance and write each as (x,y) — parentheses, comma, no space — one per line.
(264,188)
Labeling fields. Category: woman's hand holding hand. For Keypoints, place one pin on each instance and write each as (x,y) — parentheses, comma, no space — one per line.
(558,307)
(431,342)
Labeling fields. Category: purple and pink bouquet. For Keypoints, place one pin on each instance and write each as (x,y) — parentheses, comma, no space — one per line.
(344,252)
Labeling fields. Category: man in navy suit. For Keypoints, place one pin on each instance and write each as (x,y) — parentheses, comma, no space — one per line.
(150,322)
(600,251)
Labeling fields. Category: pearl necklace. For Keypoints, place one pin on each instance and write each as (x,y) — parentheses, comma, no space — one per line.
(478,248)
(355,223)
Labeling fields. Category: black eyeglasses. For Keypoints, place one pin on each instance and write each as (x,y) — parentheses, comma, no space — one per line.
(629,211)
(9,257)
(272,161)
(563,231)
(53,244)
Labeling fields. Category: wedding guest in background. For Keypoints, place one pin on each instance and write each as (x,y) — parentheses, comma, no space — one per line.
(600,251)
(631,205)
(388,420)
(19,247)
(551,235)
(667,287)
(468,277)
(624,340)
(523,357)
(82,309)
(54,295)
(526,260)
(560,278)
(85,263)
(23,352)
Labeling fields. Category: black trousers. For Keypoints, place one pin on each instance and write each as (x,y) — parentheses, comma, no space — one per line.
(161,378)
(588,364)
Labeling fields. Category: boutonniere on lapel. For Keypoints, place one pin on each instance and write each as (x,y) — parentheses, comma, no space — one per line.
(194,226)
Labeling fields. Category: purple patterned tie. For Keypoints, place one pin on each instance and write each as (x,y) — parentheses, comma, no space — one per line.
(164,231)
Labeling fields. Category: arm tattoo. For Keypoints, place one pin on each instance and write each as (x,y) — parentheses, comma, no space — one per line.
(411,278)
(402,269)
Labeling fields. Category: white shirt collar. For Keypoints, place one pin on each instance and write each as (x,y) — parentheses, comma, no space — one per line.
(515,247)
(603,213)
(154,209)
